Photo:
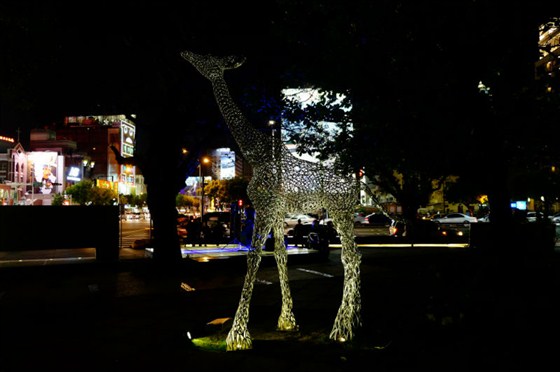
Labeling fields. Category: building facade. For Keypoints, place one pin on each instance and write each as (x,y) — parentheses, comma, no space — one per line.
(60,157)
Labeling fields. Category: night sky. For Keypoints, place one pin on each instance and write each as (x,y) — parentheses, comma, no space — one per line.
(60,59)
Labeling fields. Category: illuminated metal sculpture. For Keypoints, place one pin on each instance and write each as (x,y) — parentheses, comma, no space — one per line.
(283,183)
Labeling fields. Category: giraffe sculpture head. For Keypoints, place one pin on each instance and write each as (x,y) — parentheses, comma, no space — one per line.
(210,66)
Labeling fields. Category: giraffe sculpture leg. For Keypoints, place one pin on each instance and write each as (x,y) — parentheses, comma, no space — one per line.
(239,337)
(348,317)
(287,320)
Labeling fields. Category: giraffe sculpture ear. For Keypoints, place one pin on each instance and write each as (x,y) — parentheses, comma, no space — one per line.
(234,61)
(188,55)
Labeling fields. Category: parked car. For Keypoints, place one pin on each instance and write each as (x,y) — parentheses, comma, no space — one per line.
(397,228)
(223,217)
(360,219)
(428,231)
(324,234)
(455,218)
(291,220)
(379,219)
(182,232)
(132,216)
(212,219)
(215,221)
(485,218)
(555,218)
(532,216)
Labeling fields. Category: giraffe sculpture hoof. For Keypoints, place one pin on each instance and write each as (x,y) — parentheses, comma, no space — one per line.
(339,338)
(287,323)
(236,342)
(343,331)
(288,327)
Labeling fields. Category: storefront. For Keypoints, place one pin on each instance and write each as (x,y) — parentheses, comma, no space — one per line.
(6,195)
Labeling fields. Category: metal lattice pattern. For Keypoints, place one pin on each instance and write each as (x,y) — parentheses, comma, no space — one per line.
(282,183)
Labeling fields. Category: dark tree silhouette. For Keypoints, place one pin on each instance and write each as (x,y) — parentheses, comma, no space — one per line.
(411,78)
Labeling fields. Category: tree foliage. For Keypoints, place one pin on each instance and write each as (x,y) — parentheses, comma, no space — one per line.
(237,189)
(86,193)
(216,191)
(138,200)
(187,201)
(418,113)
(57,199)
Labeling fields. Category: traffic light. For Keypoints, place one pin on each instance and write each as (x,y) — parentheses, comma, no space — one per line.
(240,203)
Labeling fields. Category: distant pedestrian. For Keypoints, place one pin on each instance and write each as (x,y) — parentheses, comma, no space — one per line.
(219,232)
(318,239)
(331,231)
(206,234)
(298,233)
(194,229)
(248,226)
(315,234)
(250,213)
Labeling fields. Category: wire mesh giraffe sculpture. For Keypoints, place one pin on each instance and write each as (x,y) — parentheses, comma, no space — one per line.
(283,183)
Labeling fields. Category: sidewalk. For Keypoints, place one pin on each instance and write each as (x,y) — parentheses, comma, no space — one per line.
(435,309)
(80,255)
(204,252)
(132,317)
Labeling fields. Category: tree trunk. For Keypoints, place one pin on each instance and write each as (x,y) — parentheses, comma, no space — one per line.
(166,244)
(157,159)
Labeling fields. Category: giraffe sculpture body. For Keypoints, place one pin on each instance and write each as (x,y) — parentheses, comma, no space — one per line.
(282,183)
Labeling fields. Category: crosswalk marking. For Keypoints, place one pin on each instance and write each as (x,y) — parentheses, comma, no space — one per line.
(315,272)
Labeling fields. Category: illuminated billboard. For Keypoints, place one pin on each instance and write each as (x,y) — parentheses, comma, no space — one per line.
(45,169)
(128,136)
(74,174)
(226,163)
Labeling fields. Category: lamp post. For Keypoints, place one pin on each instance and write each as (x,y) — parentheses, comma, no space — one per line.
(276,149)
(202,161)
(87,166)
(272,125)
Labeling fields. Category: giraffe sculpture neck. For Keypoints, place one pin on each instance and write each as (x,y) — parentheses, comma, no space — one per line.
(254,144)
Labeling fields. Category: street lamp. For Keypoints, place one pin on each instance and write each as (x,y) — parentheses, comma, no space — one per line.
(272,125)
(88,166)
(202,161)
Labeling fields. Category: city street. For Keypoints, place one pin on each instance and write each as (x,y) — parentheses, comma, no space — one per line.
(136,233)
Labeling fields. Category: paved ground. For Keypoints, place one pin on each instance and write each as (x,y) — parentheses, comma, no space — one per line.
(423,309)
